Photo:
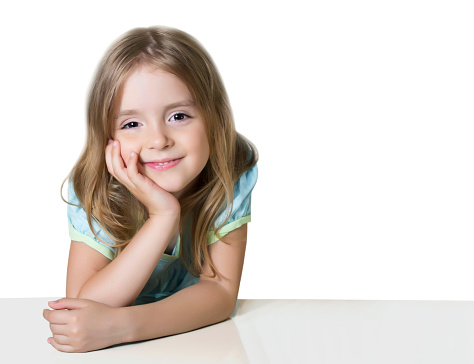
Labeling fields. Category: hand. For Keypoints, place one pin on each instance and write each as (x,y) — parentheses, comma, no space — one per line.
(156,199)
(80,325)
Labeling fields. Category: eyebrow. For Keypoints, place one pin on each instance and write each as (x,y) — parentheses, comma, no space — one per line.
(167,107)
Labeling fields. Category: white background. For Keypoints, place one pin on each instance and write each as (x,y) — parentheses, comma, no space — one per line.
(362,112)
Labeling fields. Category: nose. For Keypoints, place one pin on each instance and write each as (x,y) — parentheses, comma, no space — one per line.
(159,137)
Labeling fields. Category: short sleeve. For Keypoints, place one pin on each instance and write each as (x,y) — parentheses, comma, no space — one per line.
(79,229)
(241,213)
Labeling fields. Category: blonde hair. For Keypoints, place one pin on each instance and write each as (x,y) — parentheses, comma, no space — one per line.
(106,200)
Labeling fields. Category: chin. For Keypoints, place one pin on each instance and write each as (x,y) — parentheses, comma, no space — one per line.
(171,188)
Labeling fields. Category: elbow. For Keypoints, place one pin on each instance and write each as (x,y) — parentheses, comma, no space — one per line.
(223,313)
(229,303)
(225,300)
(229,311)
(230,306)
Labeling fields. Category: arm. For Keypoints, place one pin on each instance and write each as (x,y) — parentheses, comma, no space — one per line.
(209,301)
(118,283)
(83,325)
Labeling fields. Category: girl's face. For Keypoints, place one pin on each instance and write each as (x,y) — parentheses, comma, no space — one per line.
(157,119)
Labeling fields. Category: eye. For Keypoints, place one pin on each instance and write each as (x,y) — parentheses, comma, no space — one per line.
(179,117)
(131,124)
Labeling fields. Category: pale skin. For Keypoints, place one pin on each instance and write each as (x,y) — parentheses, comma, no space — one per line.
(96,312)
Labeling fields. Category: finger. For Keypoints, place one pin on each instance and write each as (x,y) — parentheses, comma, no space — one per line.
(68,303)
(47,314)
(108,157)
(61,339)
(58,329)
(118,165)
(60,317)
(60,347)
(132,169)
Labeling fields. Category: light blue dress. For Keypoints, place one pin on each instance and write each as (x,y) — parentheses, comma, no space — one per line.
(170,274)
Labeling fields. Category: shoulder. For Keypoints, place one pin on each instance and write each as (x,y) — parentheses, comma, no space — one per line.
(246,183)
(80,230)
(240,211)
(242,196)
(243,191)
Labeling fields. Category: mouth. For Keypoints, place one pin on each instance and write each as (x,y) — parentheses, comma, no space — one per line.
(163,164)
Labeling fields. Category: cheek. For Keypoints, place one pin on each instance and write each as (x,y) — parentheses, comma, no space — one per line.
(200,148)
(199,143)
(205,149)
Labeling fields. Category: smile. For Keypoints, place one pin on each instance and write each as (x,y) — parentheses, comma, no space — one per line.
(162,166)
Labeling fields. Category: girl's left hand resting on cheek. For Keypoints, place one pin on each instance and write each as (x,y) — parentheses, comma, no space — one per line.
(80,325)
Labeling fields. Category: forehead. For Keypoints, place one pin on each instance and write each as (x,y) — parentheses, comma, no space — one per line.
(147,87)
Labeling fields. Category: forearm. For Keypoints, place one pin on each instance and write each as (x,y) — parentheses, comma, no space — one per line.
(199,305)
(119,283)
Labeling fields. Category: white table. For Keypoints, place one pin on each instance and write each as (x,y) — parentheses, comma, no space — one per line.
(273,331)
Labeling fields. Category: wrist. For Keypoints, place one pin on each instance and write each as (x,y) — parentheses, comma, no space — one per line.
(171,210)
(127,324)
(170,218)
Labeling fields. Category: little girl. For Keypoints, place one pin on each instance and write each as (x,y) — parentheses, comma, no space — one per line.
(159,200)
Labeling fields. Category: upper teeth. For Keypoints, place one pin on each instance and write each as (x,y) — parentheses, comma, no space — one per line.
(162,164)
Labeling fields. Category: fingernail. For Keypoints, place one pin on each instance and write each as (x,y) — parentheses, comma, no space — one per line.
(115,143)
(49,340)
(110,141)
(132,154)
